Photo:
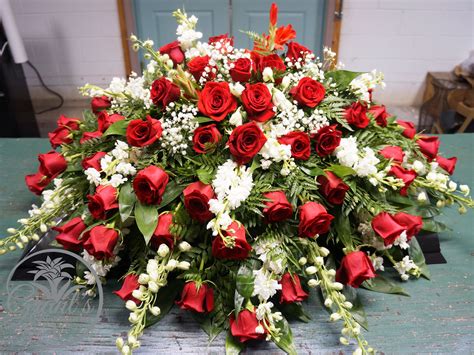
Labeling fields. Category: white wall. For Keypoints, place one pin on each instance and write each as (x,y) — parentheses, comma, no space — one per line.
(71,42)
(405,39)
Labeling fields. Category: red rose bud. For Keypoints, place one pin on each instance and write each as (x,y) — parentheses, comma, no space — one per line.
(196,201)
(37,182)
(257,102)
(52,164)
(197,65)
(308,92)
(163,92)
(448,164)
(273,14)
(100,242)
(150,184)
(103,201)
(242,70)
(174,52)
(243,328)
(130,284)
(93,161)
(206,138)
(224,39)
(406,175)
(245,142)
(429,146)
(409,130)
(356,267)
(100,103)
(296,51)
(314,219)
(197,298)
(69,234)
(278,208)
(104,120)
(300,144)
(380,115)
(327,140)
(393,152)
(61,135)
(412,224)
(142,133)
(356,115)
(216,100)
(386,227)
(241,248)
(162,233)
(291,290)
(90,135)
(68,122)
(332,188)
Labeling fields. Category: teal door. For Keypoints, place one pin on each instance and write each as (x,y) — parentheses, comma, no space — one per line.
(154,20)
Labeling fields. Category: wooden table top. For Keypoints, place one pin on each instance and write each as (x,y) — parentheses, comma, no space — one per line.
(438,317)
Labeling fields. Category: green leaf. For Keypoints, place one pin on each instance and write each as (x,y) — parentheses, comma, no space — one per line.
(357,309)
(209,325)
(118,128)
(173,190)
(238,301)
(165,300)
(203,119)
(204,176)
(342,78)
(431,225)
(342,227)
(399,199)
(294,310)
(313,171)
(244,281)
(416,254)
(382,285)
(146,217)
(127,199)
(285,339)
(341,170)
(425,211)
(232,345)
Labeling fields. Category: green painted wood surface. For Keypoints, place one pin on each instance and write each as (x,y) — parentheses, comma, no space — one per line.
(438,317)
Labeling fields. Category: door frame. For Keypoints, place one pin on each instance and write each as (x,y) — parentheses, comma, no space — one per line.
(332,30)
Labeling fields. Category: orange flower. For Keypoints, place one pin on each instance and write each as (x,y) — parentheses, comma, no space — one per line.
(273,14)
(284,34)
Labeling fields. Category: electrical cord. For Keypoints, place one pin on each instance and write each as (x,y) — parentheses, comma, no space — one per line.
(58,95)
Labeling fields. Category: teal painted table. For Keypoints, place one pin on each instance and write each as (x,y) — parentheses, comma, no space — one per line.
(438,317)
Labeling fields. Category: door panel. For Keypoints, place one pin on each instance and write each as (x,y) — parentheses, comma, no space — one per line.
(306,16)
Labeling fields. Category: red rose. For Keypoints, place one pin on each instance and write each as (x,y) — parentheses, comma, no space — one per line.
(257,101)
(130,284)
(90,135)
(448,164)
(163,92)
(205,138)
(197,298)
(150,184)
(100,242)
(174,52)
(356,115)
(429,146)
(37,182)
(105,120)
(355,268)
(61,135)
(409,128)
(296,51)
(196,201)
(291,290)
(406,175)
(142,133)
(242,70)
(327,140)
(332,188)
(244,327)
(239,251)
(308,92)
(162,233)
(272,61)
(223,39)
(278,208)
(69,234)
(245,142)
(197,65)
(385,226)
(380,115)
(52,164)
(93,161)
(412,224)
(103,201)
(393,152)
(314,219)
(68,122)
(300,144)
(100,103)
(216,100)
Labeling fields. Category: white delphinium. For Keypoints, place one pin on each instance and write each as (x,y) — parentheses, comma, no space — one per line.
(405,267)
(178,126)
(187,35)
(273,151)
(377,262)
(402,241)
(265,285)
(117,85)
(361,85)
(366,165)
(101,267)
(347,152)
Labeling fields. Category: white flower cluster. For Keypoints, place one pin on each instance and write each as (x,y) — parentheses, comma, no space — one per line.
(405,267)
(178,128)
(101,267)
(363,162)
(264,312)
(369,237)
(273,151)
(272,255)
(265,284)
(186,32)
(136,88)
(365,82)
